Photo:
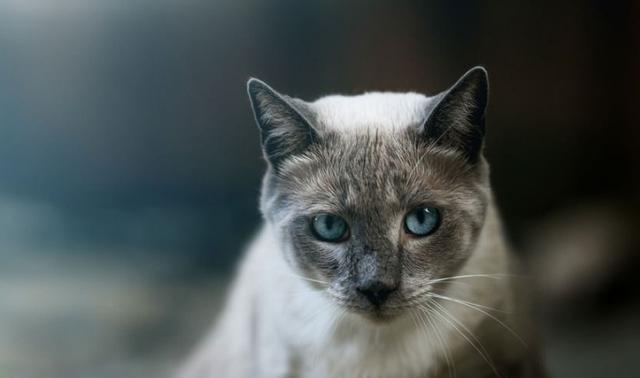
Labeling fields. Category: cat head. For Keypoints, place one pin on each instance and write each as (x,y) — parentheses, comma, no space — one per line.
(372,197)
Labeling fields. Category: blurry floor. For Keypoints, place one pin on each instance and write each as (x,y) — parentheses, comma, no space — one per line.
(605,348)
(69,319)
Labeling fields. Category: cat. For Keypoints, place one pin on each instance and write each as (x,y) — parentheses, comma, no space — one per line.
(382,252)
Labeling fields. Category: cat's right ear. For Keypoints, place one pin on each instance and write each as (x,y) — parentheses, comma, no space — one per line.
(284,130)
(456,119)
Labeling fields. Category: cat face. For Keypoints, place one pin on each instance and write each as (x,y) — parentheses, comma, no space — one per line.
(375,196)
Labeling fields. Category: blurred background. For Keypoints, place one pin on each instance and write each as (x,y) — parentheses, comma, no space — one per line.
(130,164)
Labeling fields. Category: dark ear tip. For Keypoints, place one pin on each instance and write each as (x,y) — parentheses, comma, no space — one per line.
(478,75)
(480,70)
(254,85)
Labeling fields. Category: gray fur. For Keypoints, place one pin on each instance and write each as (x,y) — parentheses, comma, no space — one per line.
(373,179)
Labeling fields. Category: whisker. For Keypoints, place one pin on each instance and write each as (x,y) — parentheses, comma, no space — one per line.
(419,328)
(453,279)
(428,150)
(449,318)
(309,279)
(448,353)
(483,275)
(445,348)
(416,165)
(468,303)
(475,307)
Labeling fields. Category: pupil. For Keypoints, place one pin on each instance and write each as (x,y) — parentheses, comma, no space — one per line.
(329,222)
(421,215)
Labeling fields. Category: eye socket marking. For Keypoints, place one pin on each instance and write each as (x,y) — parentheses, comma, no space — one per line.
(419,222)
(422,221)
(330,228)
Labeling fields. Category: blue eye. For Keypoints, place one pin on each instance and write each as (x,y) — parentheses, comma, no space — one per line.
(330,228)
(422,221)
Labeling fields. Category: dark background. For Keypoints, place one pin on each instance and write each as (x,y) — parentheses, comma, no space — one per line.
(130,164)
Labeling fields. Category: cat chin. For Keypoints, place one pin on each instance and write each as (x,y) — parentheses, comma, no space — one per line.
(381,317)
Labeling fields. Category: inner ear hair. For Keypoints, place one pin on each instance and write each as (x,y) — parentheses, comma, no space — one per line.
(285,130)
(456,117)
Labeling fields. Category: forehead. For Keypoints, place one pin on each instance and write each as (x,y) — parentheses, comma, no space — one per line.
(383,111)
(378,169)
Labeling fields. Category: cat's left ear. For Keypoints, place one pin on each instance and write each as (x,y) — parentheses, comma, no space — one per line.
(284,130)
(457,115)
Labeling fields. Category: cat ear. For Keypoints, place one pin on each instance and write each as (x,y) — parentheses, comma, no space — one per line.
(284,130)
(456,119)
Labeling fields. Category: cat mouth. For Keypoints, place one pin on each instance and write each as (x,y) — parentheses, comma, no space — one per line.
(375,313)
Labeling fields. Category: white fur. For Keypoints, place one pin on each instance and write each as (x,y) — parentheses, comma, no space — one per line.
(382,110)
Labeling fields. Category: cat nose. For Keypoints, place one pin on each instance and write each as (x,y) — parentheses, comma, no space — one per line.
(376,291)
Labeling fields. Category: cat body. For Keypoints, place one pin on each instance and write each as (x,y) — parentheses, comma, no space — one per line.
(382,253)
